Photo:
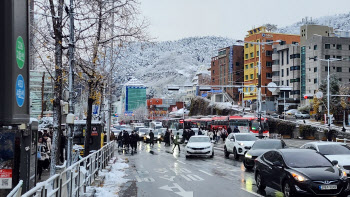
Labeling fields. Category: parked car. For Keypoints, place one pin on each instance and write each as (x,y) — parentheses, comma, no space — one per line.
(297,172)
(291,111)
(274,115)
(143,132)
(259,148)
(302,115)
(199,145)
(238,144)
(333,151)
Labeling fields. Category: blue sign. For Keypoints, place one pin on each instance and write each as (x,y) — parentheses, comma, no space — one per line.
(20,90)
(204,95)
(95,109)
(215,91)
(230,64)
(128,113)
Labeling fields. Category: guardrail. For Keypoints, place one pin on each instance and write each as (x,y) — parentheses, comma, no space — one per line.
(17,190)
(73,181)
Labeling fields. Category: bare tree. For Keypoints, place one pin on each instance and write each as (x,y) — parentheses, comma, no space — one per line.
(270,27)
(95,34)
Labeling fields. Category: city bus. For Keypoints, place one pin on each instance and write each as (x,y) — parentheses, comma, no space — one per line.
(249,125)
(219,122)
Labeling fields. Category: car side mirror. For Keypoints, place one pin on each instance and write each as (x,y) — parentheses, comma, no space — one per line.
(232,140)
(335,162)
(213,141)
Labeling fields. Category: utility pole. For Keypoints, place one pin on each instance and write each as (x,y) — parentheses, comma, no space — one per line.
(259,94)
(328,96)
(70,116)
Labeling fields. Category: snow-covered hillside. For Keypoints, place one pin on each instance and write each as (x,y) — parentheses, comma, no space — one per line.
(168,63)
(339,21)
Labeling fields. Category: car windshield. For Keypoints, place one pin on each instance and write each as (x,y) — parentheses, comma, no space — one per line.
(263,144)
(334,149)
(306,159)
(245,137)
(199,139)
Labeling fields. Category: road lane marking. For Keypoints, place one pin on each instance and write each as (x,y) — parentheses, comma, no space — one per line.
(166,177)
(252,192)
(161,170)
(181,192)
(192,177)
(181,161)
(205,172)
(147,179)
(185,177)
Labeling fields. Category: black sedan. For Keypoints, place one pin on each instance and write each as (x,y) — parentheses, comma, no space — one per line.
(259,148)
(298,171)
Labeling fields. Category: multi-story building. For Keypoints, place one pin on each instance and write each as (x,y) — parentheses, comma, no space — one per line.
(227,69)
(313,70)
(286,72)
(251,60)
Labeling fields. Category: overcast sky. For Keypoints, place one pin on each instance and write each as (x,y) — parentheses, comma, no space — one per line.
(176,19)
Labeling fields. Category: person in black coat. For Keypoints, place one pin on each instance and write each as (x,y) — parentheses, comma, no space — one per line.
(133,142)
(167,138)
(126,140)
(151,138)
(229,130)
(200,132)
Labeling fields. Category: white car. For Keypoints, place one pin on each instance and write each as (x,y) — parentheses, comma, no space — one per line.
(199,145)
(333,151)
(238,144)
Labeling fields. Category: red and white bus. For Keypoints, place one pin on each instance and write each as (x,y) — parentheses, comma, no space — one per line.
(219,122)
(249,125)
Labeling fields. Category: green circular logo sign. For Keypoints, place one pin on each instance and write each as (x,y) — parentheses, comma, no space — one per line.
(20,52)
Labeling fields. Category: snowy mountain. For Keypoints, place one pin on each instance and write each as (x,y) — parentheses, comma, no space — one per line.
(339,21)
(167,63)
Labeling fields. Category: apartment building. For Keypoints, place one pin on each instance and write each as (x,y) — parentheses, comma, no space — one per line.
(314,70)
(227,69)
(251,60)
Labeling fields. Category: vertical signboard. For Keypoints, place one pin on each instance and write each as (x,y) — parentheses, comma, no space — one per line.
(230,64)
(14,82)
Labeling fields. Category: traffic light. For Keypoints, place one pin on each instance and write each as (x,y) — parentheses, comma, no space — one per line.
(308,96)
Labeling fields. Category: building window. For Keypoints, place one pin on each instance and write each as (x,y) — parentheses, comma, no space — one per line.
(246,66)
(315,47)
(268,53)
(349,70)
(287,71)
(287,83)
(315,58)
(326,68)
(246,89)
(268,64)
(339,57)
(251,76)
(282,73)
(295,56)
(251,54)
(246,45)
(315,80)
(315,69)
(246,56)
(339,46)
(246,77)
(213,80)
(213,71)
(327,46)
(287,56)
(237,63)
(282,58)
(251,45)
(257,53)
(327,57)
(339,69)
(349,47)
(295,68)
(252,65)
(282,83)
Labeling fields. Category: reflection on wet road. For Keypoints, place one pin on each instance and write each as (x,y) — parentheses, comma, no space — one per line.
(157,171)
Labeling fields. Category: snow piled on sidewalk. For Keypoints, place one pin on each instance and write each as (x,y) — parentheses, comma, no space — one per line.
(113,180)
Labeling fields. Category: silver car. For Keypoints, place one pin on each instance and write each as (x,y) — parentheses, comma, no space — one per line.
(302,115)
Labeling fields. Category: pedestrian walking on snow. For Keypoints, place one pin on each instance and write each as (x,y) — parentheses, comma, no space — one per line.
(177,141)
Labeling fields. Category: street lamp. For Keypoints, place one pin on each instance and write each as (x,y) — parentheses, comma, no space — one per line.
(328,92)
(259,78)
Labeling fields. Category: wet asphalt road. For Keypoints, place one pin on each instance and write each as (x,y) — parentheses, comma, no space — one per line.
(157,172)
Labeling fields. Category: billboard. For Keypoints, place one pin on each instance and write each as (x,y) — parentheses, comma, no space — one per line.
(135,97)
(14,71)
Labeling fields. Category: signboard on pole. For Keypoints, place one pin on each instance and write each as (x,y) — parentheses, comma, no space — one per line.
(5,178)
(14,68)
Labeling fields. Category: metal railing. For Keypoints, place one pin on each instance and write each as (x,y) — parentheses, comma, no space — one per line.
(17,190)
(73,181)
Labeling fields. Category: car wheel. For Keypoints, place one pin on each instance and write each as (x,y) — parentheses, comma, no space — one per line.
(247,167)
(235,154)
(259,182)
(287,190)
(227,154)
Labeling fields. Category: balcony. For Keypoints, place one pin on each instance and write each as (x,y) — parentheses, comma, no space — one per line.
(275,56)
(275,78)
(275,68)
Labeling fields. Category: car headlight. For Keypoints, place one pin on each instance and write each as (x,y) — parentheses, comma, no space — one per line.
(148,137)
(249,156)
(241,144)
(344,175)
(298,177)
